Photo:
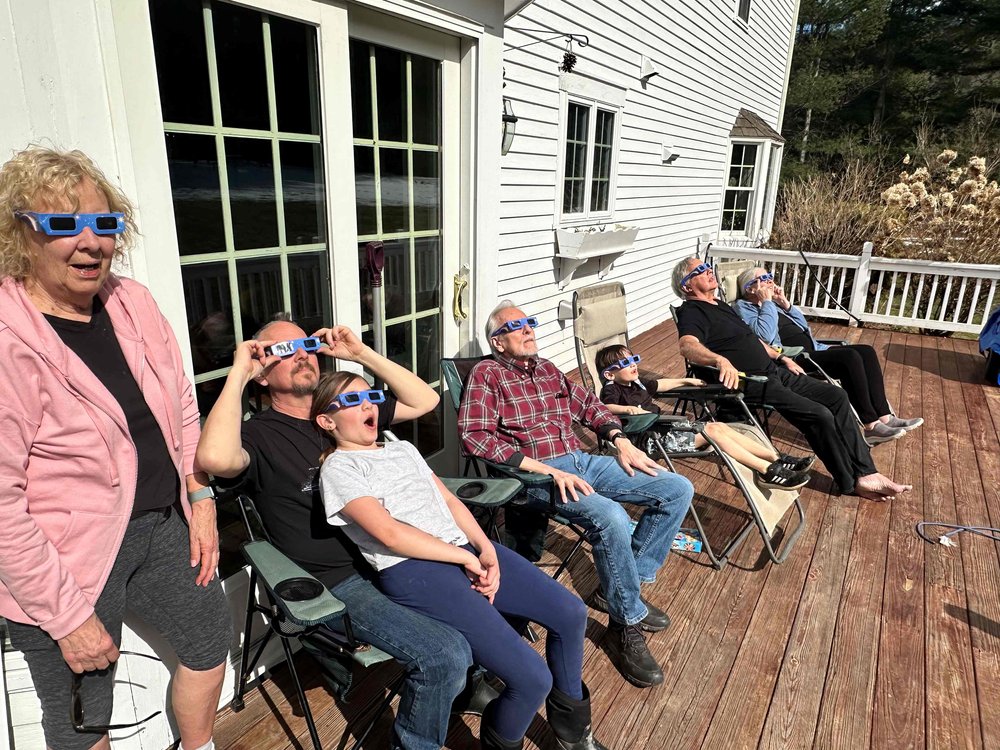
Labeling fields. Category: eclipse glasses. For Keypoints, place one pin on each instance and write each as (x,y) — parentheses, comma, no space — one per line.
(355,398)
(56,225)
(284,349)
(698,271)
(516,325)
(624,362)
(759,280)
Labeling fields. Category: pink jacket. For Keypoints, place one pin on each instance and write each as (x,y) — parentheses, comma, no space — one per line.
(67,464)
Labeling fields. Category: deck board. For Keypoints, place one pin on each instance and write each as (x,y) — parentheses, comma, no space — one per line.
(865,637)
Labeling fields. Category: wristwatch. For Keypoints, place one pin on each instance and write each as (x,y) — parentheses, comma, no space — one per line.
(203,494)
(615,435)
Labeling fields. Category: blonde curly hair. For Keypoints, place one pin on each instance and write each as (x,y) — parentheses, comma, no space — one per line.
(40,178)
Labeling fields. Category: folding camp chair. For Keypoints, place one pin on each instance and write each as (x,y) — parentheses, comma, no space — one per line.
(599,320)
(456,373)
(303,608)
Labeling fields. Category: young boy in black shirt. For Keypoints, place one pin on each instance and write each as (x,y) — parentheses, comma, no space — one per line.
(624,393)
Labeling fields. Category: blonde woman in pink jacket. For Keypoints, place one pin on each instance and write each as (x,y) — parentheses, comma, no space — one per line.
(101,507)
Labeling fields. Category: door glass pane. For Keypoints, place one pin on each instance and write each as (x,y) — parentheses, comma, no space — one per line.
(181,60)
(260,293)
(303,193)
(308,281)
(293,46)
(239,55)
(427,281)
(209,309)
(394,187)
(399,344)
(390,85)
(428,347)
(250,169)
(197,197)
(361,89)
(426,190)
(364,190)
(396,278)
(426,99)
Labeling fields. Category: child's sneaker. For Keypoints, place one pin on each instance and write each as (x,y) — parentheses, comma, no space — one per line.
(796,463)
(780,477)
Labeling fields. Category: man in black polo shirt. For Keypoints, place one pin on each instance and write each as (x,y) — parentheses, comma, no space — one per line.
(713,334)
(275,457)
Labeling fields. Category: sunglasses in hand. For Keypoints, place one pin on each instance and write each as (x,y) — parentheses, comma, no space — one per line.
(76,704)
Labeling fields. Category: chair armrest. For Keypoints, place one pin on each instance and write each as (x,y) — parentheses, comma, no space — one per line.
(834,342)
(792,351)
(634,424)
(492,492)
(274,568)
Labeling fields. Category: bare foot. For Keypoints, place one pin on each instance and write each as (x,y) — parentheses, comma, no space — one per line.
(870,495)
(880,484)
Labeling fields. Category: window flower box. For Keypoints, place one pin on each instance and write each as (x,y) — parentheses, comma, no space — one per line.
(574,247)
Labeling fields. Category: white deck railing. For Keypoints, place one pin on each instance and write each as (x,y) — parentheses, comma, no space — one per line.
(912,293)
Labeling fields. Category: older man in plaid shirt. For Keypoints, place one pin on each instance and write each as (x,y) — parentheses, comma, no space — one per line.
(519,409)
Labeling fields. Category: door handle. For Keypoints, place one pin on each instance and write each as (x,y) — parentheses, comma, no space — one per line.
(459,282)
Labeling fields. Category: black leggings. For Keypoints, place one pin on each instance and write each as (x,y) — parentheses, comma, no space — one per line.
(858,370)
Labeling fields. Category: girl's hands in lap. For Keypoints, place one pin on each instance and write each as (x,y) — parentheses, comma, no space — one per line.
(489,584)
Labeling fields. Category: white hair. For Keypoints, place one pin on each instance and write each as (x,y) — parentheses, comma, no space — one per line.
(493,321)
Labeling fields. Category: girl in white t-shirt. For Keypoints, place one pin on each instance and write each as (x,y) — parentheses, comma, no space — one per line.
(433,557)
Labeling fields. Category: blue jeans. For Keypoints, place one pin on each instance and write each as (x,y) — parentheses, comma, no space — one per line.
(436,659)
(441,591)
(623,559)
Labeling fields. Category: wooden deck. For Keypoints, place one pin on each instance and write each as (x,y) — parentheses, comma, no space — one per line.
(865,637)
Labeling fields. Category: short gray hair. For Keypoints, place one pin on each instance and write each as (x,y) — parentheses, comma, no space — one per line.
(279,317)
(493,321)
(680,271)
(743,279)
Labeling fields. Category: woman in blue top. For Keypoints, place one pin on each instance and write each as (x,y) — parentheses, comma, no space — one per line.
(432,556)
(764,307)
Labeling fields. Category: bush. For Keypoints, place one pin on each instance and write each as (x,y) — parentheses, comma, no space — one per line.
(943,212)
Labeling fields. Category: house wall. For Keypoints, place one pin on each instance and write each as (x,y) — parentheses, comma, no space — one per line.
(710,66)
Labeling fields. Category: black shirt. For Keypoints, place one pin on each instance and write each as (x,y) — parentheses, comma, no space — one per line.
(719,328)
(157,483)
(791,333)
(283,479)
(631,394)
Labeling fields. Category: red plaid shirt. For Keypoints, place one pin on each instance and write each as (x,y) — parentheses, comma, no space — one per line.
(513,409)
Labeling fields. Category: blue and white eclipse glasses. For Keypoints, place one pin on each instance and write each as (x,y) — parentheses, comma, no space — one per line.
(73,224)
(764,277)
(355,398)
(516,325)
(288,348)
(697,271)
(624,362)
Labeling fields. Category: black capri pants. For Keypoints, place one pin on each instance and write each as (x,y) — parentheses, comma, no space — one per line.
(859,371)
(152,577)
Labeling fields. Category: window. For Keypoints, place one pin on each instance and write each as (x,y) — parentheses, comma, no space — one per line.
(589,160)
(740,189)
(751,182)
(743,10)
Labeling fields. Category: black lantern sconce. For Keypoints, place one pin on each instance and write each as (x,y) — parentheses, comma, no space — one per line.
(509,126)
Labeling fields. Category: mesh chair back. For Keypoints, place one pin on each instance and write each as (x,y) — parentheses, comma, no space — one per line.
(599,320)
(456,375)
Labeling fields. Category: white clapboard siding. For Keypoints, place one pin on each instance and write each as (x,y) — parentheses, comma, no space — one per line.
(710,66)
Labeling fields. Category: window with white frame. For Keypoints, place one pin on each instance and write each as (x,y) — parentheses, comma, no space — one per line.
(588,164)
(747,204)
(743,10)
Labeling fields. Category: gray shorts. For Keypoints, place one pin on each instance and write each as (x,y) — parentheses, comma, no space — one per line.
(152,577)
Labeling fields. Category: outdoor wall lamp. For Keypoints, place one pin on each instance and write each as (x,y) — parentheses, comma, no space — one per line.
(509,126)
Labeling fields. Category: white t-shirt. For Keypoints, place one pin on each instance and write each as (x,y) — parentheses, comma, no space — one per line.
(397,476)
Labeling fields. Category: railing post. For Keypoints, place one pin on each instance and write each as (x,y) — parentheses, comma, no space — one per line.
(862,276)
